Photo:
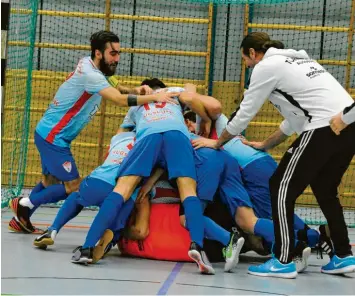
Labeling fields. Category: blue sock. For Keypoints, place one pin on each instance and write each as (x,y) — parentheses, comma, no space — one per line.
(104,218)
(51,194)
(194,219)
(313,237)
(68,211)
(39,187)
(298,222)
(121,219)
(215,232)
(265,229)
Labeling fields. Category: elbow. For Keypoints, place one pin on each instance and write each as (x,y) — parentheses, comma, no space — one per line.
(142,234)
(139,233)
(213,108)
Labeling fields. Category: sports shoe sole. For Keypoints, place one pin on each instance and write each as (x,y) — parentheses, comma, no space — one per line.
(99,250)
(346,269)
(235,262)
(84,261)
(289,275)
(205,269)
(44,243)
(302,266)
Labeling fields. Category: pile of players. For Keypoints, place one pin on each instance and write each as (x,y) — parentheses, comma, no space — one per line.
(155,139)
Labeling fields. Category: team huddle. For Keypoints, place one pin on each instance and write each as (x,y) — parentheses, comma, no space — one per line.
(173,134)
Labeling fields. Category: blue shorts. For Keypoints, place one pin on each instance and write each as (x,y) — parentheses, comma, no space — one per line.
(56,161)
(231,189)
(256,176)
(178,155)
(93,192)
(141,160)
(209,169)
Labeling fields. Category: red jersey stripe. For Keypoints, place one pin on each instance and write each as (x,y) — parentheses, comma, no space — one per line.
(68,116)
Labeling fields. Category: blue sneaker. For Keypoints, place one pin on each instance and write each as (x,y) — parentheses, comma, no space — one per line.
(339,265)
(274,268)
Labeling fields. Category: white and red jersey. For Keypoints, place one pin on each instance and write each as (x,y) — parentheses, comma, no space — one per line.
(74,105)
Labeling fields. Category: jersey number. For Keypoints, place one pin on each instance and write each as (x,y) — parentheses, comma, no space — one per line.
(157,105)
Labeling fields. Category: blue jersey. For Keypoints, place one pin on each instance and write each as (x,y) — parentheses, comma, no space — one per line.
(244,154)
(74,105)
(120,145)
(156,118)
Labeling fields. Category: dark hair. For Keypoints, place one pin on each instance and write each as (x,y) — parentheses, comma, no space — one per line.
(190,115)
(99,39)
(153,83)
(260,41)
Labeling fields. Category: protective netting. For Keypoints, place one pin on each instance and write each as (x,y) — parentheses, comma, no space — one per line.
(17,102)
(177,41)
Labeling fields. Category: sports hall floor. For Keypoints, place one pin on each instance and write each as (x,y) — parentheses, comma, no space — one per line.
(27,270)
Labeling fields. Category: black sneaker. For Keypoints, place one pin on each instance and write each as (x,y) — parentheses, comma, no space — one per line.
(325,244)
(301,255)
(197,254)
(82,256)
(46,239)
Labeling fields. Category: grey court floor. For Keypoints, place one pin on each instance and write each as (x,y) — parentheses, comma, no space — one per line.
(27,270)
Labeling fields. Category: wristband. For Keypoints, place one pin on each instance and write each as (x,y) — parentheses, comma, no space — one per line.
(132,100)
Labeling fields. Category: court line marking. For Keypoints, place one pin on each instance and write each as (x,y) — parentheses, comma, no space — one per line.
(230,288)
(170,279)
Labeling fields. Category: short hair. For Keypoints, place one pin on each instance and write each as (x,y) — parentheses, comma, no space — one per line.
(260,41)
(153,83)
(99,39)
(190,115)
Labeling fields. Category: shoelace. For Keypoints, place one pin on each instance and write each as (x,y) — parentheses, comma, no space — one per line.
(319,252)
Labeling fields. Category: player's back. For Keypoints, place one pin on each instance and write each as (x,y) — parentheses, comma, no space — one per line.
(120,145)
(244,154)
(155,118)
(75,103)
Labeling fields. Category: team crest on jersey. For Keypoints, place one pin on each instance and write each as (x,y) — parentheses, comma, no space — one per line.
(67,166)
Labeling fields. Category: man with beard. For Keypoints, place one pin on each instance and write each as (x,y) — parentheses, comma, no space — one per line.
(73,107)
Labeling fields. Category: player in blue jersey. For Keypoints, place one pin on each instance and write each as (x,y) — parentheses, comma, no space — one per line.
(73,107)
(93,190)
(161,132)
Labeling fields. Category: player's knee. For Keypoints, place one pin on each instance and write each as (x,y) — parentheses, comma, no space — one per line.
(72,186)
(187,187)
(125,186)
(48,180)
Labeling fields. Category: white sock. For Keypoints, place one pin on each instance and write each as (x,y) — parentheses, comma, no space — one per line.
(26,203)
(54,234)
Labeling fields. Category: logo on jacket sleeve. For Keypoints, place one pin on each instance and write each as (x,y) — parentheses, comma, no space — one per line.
(67,166)
(290,150)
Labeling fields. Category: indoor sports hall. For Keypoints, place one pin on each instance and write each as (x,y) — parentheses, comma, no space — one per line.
(179,42)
